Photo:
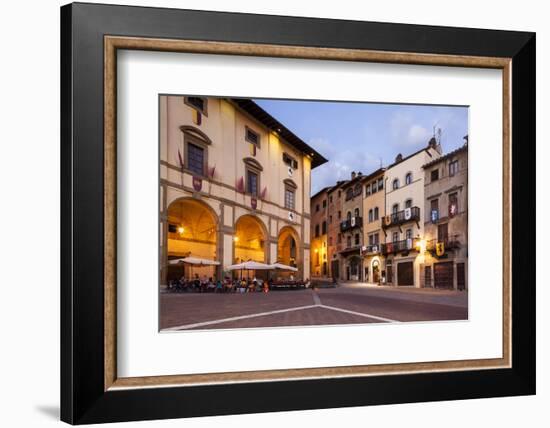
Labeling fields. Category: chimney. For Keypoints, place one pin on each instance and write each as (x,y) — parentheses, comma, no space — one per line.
(359,174)
(353,175)
(399,157)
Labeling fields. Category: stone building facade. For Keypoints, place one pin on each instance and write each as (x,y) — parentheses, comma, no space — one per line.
(351,228)
(234,186)
(319,234)
(374,209)
(446,221)
(403,224)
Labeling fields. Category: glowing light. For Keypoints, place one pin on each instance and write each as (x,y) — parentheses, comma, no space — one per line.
(181,230)
(236,238)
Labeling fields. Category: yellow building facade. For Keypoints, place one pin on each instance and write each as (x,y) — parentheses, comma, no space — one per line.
(234,186)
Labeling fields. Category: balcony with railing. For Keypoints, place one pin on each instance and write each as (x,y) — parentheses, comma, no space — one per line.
(351,223)
(400,217)
(410,244)
(449,243)
(372,249)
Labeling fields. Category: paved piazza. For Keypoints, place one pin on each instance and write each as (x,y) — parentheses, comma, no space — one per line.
(345,304)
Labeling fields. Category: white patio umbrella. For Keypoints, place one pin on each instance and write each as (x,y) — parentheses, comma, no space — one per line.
(250,265)
(281,266)
(194,261)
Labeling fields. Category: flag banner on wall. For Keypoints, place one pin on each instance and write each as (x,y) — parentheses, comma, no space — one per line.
(440,249)
(435,216)
(408,214)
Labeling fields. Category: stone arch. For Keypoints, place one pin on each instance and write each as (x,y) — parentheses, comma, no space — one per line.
(250,241)
(290,249)
(190,228)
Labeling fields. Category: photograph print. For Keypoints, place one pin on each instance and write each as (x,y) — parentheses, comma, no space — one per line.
(295,213)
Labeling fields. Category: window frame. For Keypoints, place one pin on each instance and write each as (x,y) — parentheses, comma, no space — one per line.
(395,184)
(204,110)
(408,178)
(248,130)
(249,169)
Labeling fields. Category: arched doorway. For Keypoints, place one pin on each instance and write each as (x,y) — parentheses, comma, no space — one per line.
(250,243)
(191,231)
(375,271)
(288,252)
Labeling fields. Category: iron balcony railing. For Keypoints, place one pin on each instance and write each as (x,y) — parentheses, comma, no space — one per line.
(372,249)
(410,244)
(450,243)
(400,217)
(351,223)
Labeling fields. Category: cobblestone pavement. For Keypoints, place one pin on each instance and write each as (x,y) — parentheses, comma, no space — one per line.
(345,304)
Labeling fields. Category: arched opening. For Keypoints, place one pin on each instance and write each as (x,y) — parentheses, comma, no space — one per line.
(375,271)
(250,242)
(191,232)
(288,252)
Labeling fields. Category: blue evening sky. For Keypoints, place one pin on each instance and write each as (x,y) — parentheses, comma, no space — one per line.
(361,136)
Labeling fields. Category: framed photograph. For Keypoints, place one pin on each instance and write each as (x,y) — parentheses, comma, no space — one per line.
(267,213)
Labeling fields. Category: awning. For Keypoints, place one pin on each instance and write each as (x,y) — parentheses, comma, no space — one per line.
(194,261)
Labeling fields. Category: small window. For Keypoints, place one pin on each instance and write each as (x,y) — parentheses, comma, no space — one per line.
(348,241)
(330,219)
(290,161)
(409,234)
(408,203)
(395,184)
(453,168)
(252,137)
(376,213)
(339,193)
(317,208)
(324,203)
(356,239)
(374,187)
(339,239)
(395,236)
(371,217)
(434,204)
(408,178)
(339,215)
(435,175)
(330,199)
(356,212)
(367,190)
(453,204)
(348,215)
(316,230)
(290,198)
(395,208)
(324,228)
(198,103)
(195,159)
(380,183)
(252,182)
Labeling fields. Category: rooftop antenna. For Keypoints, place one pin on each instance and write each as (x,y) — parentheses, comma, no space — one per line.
(439,135)
(380,162)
